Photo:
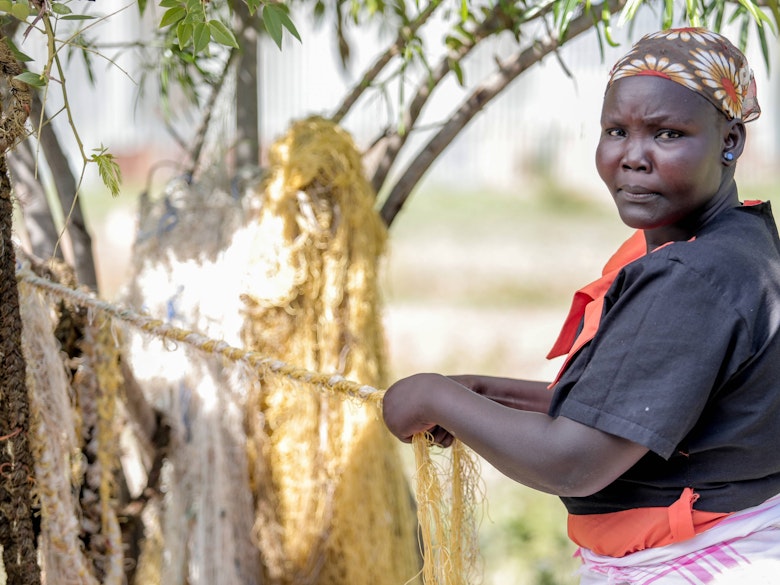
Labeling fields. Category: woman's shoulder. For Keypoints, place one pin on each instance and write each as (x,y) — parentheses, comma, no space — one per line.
(739,239)
(736,258)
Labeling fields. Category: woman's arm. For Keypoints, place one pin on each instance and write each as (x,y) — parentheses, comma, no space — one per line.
(518,394)
(557,456)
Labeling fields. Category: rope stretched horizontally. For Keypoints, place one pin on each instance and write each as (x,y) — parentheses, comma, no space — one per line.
(260,363)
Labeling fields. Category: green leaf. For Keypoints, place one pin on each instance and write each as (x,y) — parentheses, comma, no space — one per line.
(457,70)
(755,11)
(743,33)
(453,43)
(170,3)
(605,21)
(566,12)
(172,16)
(222,34)
(464,10)
(108,169)
(141,6)
(668,18)
(33,79)
(5,5)
(273,24)
(764,45)
(78,17)
(20,11)
(719,13)
(275,19)
(200,36)
(739,11)
(253,5)
(629,11)
(16,52)
(775,12)
(184,34)
(694,14)
(58,8)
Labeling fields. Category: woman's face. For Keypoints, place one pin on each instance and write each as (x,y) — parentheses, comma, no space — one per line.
(661,156)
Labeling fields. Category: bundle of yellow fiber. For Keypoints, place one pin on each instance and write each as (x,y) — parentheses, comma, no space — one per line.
(446,489)
(341,504)
(74,439)
(200,533)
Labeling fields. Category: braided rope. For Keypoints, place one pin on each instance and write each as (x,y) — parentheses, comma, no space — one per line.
(261,364)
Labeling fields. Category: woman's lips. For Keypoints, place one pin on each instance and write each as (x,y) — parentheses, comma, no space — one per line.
(636,193)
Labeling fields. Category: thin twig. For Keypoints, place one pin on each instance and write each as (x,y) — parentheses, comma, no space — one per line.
(508,70)
(404,35)
(392,141)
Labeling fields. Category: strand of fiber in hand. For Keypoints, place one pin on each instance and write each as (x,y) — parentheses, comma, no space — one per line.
(445,487)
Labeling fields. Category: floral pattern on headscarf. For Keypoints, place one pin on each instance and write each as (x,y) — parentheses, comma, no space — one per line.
(702,61)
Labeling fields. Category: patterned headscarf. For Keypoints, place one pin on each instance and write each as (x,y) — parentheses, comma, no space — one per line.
(702,61)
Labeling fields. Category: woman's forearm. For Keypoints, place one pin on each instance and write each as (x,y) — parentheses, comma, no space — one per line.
(530,395)
(557,456)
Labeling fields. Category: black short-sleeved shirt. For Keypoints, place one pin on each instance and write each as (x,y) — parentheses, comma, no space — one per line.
(686,361)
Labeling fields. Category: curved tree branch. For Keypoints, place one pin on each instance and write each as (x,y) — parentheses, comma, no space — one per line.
(404,34)
(392,142)
(208,111)
(479,98)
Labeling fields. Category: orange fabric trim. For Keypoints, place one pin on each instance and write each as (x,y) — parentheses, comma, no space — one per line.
(589,300)
(617,534)
(568,342)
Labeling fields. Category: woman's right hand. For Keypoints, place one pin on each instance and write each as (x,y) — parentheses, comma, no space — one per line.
(408,405)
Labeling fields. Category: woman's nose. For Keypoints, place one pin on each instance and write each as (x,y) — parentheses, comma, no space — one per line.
(635,156)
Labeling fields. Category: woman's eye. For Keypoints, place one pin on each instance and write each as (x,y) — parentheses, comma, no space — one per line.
(668,134)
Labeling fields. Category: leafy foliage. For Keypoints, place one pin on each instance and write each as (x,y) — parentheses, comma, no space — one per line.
(194,25)
(108,169)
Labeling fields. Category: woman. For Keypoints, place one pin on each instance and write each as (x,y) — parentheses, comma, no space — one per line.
(659,434)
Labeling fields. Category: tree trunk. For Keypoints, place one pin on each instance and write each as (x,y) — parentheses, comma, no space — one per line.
(29,191)
(247,94)
(65,185)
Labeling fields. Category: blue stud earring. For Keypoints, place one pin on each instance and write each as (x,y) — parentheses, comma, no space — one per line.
(729,156)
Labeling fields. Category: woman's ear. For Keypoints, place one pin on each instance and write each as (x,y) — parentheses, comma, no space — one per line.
(733,140)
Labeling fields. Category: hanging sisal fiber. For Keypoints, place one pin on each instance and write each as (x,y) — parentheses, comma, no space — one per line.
(200,533)
(446,491)
(292,273)
(75,430)
(342,505)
